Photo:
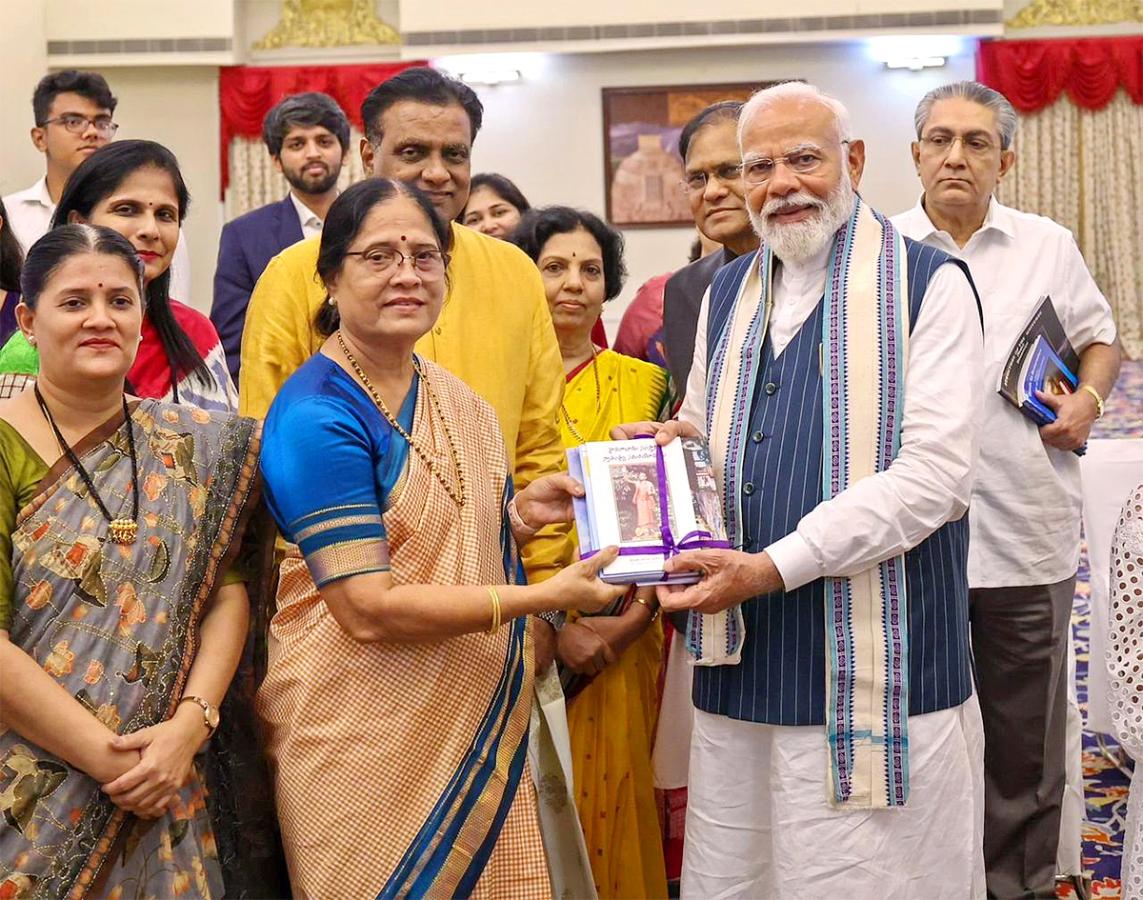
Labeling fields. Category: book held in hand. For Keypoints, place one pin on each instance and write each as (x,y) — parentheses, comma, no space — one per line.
(651,501)
(1042,359)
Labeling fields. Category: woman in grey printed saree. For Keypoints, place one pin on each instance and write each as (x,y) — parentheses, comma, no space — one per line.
(123,618)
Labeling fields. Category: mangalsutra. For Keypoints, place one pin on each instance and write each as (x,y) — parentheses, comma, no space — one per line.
(460,499)
(120,530)
(598,398)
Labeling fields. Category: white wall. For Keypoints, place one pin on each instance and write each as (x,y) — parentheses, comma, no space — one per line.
(545,132)
(418,15)
(25,62)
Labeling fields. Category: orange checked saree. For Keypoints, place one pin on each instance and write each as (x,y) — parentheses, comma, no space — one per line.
(401,769)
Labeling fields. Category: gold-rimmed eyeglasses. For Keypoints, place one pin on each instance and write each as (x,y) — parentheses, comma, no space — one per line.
(800,161)
(382,259)
(940,143)
(696,182)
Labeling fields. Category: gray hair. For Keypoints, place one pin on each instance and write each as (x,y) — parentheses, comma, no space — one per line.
(976,92)
(795,90)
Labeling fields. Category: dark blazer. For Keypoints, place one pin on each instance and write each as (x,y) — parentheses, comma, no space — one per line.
(682,298)
(245,247)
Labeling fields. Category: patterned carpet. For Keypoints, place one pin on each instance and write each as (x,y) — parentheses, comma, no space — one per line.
(1105,786)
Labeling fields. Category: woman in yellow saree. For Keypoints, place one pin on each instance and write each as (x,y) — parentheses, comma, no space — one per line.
(399,689)
(610,661)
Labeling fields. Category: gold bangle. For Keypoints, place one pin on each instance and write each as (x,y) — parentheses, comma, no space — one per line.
(1095,396)
(495,598)
(653,610)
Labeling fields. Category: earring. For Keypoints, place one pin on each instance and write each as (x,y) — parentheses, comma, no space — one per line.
(332,300)
(32,339)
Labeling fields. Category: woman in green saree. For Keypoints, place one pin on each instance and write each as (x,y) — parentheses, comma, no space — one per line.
(121,625)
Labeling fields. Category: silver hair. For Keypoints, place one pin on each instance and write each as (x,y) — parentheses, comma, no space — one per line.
(1006,118)
(795,90)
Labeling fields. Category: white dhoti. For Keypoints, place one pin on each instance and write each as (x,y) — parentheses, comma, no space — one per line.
(759,824)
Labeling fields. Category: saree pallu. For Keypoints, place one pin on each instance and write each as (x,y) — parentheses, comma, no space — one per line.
(611,718)
(117,626)
(400,769)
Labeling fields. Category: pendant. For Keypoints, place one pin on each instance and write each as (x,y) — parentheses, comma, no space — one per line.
(123,531)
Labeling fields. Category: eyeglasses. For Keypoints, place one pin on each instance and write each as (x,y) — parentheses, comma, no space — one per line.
(805,161)
(73,123)
(696,182)
(382,259)
(941,144)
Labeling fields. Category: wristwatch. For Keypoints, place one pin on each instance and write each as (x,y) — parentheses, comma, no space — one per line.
(210,716)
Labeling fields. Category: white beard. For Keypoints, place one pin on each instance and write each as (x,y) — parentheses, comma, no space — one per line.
(801,240)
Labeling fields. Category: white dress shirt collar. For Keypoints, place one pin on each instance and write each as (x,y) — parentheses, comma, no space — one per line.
(917,225)
(311,224)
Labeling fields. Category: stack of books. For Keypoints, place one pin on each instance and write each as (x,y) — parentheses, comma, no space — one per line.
(651,501)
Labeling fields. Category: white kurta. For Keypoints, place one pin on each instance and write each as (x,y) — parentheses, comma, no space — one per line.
(759,824)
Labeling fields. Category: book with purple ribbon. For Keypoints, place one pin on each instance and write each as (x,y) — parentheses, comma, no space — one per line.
(653,502)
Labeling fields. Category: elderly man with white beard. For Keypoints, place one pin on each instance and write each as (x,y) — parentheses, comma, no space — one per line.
(837,747)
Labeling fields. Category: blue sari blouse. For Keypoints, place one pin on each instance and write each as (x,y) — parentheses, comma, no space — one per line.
(329,462)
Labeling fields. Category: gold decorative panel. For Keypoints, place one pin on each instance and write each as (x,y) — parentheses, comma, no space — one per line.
(1077,12)
(328,23)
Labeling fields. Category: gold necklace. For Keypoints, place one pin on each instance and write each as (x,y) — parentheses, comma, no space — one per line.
(460,499)
(598,399)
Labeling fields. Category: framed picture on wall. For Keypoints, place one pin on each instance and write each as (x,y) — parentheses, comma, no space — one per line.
(643,171)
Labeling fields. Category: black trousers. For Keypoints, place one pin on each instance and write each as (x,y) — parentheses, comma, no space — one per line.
(1019,642)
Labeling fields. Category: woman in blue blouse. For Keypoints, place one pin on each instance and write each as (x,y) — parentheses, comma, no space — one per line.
(398,696)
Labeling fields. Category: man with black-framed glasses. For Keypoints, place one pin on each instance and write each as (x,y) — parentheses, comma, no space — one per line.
(74,117)
(73,112)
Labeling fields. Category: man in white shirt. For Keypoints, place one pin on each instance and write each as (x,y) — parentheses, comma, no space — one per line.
(307,136)
(73,112)
(837,742)
(1025,509)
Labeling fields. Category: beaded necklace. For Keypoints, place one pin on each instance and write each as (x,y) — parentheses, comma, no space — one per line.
(460,499)
(120,530)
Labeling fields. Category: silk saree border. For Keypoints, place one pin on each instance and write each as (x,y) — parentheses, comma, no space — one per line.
(475,803)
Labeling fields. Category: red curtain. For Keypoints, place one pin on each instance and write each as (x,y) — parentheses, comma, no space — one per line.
(1033,74)
(246,94)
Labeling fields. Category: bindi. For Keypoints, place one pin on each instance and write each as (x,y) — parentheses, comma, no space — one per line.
(404,239)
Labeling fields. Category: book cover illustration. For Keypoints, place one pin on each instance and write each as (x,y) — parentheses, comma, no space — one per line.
(631,486)
(1041,359)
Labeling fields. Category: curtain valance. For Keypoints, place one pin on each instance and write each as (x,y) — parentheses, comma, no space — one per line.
(1033,74)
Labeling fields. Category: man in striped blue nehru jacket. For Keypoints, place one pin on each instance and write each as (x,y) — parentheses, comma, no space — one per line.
(837,746)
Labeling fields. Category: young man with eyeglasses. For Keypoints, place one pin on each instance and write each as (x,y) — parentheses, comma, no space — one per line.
(74,117)
(1025,508)
(73,112)
(708,145)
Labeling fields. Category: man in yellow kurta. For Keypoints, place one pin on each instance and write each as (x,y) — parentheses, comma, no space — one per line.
(494,332)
